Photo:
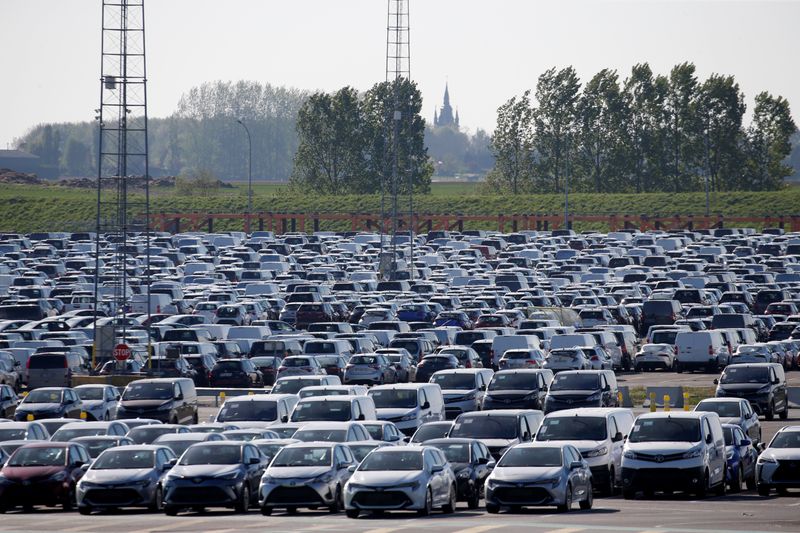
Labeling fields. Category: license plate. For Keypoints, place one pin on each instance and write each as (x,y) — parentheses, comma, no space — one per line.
(562,359)
(225,374)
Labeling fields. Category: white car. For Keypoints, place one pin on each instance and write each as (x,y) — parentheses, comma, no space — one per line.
(652,356)
(99,401)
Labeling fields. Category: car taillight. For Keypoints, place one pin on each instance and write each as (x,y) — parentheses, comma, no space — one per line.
(28,363)
(532,362)
(595,358)
(468,364)
(710,350)
(281,368)
(209,374)
(675,348)
(65,362)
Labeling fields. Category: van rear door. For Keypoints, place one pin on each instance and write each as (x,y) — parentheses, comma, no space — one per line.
(48,370)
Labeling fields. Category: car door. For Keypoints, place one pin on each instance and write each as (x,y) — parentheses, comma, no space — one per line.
(542,392)
(73,404)
(438,488)
(716,457)
(751,424)
(479,464)
(747,453)
(254,469)
(780,392)
(181,406)
(616,447)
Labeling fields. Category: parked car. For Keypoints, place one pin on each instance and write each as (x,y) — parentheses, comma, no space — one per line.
(741,457)
(775,466)
(734,411)
(471,463)
(49,402)
(99,402)
(762,384)
(236,373)
(369,369)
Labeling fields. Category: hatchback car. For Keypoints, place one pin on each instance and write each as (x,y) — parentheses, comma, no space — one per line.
(431,364)
(268,366)
(402,478)
(734,411)
(99,401)
(300,365)
(567,359)
(652,356)
(237,373)
(431,430)
(98,444)
(471,462)
(180,442)
(776,467)
(369,369)
(49,402)
(215,474)
(127,476)
(536,474)
(306,474)
(527,358)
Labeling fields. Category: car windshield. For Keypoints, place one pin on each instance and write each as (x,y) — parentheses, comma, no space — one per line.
(322,435)
(212,455)
(325,410)
(148,391)
(431,431)
(455,381)
(13,434)
(745,375)
(147,434)
(513,382)
(531,457)
(320,347)
(64,435)
(723,409)
(250,411)
(90,393)
(39,456)
(293,386)
(361,450)
(381,461)
(666,430)
(728,434)
(786,439)
(124,460)
(575,382)
(573,428)
(364,360)
(303,456)
(394,398)
(270,450)
(456,452)
(44,396)
(485,427)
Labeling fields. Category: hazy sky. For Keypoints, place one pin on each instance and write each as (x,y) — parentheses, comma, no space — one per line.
(489,50)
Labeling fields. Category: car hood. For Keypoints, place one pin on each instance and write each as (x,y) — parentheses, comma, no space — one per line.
(452,393)
(660,448)
(117,476)
(521,474)
(143,404)
(742,387)
(573,393)
(498,443)
(291,472)
(385,478)
(509,393)
(39,407)
(204,470)
(582,445)
(393,412)
(89,405)
(783,453)
(28,472)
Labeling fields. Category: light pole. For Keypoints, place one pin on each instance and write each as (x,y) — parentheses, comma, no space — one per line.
(249,167)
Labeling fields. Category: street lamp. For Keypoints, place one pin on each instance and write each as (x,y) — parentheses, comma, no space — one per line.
(249,167)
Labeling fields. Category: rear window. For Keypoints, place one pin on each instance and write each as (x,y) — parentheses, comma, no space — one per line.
(656,307)
(43,362)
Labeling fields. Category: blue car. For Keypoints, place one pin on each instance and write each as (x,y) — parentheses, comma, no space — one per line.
(416,312)
(741,457)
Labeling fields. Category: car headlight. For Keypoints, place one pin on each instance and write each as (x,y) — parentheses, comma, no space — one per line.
(553,481)
(470,396)
(597,452)
(409,417)
(491,483)
(691,454)
(729,454)
(463,474)
(764,390)
(327,477)
(58,476)
(594,397)
(164,407)
(353,486)
(629,454)
(414,485)
(767,459)
(268,480)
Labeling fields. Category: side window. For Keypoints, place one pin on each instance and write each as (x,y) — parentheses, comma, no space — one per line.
(356,410)
(160,459)
(707,430)
(613,429)
(338,455)
(524,428)
(422,397)
(348,455)
(176,390)
(352,435)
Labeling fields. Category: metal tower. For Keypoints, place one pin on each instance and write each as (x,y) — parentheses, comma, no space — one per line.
(122,167)
(398,66)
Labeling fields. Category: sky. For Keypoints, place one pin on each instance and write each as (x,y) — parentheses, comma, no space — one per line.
(487,50)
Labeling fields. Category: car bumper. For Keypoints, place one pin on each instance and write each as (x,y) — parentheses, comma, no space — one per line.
(189,493)
(384,498)
(454,408)
(13,494)
(370,378)
(525,494)
(784,473)
(296,494)
(524,402)
(98,495)
(133,414)
(22,416)
(550,406)
(673,478)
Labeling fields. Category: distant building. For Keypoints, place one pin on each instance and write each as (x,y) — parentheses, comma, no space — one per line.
(20,161)
(445,117)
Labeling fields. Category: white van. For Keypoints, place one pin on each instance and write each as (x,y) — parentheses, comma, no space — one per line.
(503,343)
(408,405)
(676,450)
(571,340)
(257,410)
(598,433)
(700,349)
(334,409)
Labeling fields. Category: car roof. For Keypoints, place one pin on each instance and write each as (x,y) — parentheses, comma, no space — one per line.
(327,425)
(259,397)
(590,411)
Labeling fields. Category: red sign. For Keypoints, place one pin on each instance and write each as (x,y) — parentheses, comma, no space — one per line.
(121,352)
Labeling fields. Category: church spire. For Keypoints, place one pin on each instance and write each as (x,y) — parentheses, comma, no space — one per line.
(445,118)
(446,94)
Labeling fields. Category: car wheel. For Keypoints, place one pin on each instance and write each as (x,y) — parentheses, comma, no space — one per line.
(195,419)
(628,494)
(785,413)
(266,511)
(492,508)
(243,505)
(450,507)
(426,511)
(610,487)
(352,513)
(751,482)
(763,490)
(474,500)
(69,503)
(736,482)
(84,510)
(107,416)
(702,490)
(170,510)
(587,502)
(567,505)
(769,414)
(678,367)
(291,510)
(336,506)
(158,501)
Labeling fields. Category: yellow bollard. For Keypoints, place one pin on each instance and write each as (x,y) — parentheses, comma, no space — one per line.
(222,397)
(652,402)
(83,415)
(666,402)
(30,418)
(619,399)
(251,393)
(685,401)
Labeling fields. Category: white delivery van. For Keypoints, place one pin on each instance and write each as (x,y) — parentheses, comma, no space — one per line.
(503,343)
(571,340)
(700,349)
(334,409)
(408,405)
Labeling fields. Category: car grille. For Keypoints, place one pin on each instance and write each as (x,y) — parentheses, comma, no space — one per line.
(390,498)
(285,495)
(111,496)
(198,495)
(522,495)
(657,458)
(787,471)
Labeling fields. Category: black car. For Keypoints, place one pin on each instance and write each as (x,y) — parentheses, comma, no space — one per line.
(516,389)
(268,366)
(472,463)
(49,402)
(240,373)
(433,363)
(581,388)
(8,401)
(172,368)
(215,474)
(762,384)
(172,400)
(203,364)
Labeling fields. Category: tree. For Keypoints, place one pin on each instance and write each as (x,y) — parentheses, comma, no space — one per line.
(682,127)
(512,145)
(557,96)
(769,142)
(644,98)
(76,158)
(332,155)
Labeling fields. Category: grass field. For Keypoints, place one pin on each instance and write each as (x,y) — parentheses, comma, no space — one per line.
(25,208)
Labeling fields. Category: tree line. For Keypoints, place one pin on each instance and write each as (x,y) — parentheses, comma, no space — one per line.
(646,133)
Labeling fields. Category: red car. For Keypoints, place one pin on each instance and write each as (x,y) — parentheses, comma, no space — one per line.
(42,473)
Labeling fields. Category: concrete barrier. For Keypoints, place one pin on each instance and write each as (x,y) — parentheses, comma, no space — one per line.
(793,393)
(675,396)
(118,380)
(625,392)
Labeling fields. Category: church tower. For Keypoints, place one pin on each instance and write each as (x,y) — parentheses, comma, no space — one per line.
(445,116)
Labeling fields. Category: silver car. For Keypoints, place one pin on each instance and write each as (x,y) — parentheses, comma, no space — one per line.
(734,411)
(125,476)
(99,401)
(776,466)
(538,473)
(306,474)
(401,478)
(567,359)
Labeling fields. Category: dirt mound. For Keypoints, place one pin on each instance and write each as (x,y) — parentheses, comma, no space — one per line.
(12,176)
(133,182)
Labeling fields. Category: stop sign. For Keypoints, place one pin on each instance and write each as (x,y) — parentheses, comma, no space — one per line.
(121,352)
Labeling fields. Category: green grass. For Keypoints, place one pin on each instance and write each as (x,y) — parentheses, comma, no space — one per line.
(26,208)
(696,394)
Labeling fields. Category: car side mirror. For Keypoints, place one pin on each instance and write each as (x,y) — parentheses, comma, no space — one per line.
(716,381)
(361,417)
(483,460)
(574,465)
(178,396)
(709,439)
(284,419)
(526,436)
(85,467)
(745,442)
(426,405)
(351,468)
(255,461)
(617,437)
(776,381)
(761,446)
(436,469)
(483,387)
(607,388)
(491,464)
(80,464)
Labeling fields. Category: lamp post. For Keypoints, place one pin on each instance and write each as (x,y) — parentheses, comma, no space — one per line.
(249,168)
